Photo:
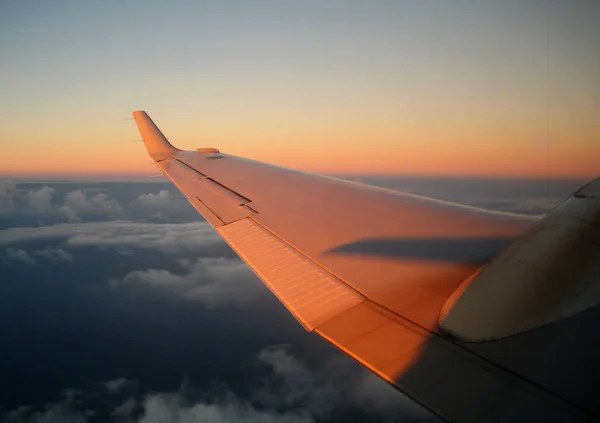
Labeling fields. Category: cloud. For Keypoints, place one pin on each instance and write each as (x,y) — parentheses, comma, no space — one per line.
(16,254)
(169,408)
(165,237)
(337,384)
(125,410)
(64,411)
(160,201)
(289,393)
(213,281)
(300,385)
(115,385)
(55,254)
(8,204)
(77,203)
(39,201)
(163,206)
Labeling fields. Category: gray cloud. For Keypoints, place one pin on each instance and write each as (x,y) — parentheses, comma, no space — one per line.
(55,254)
(39,201)
(166,237)
(170,408)
(339,383)
(17,254)
(213,281)
(124,411)
(8,204)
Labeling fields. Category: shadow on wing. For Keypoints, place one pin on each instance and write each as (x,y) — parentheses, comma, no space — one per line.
(455,250)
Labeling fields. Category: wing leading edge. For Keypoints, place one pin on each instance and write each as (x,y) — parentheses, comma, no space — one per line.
(369,270)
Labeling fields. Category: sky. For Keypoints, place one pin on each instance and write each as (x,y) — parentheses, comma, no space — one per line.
(491,88)
(120,304)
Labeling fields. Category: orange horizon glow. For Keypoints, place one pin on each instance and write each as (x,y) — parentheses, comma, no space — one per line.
(374,145)
(463,162)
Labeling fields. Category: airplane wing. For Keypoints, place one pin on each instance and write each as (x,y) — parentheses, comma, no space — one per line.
(479,316)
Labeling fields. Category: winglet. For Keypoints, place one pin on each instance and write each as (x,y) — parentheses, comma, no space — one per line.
(159,148)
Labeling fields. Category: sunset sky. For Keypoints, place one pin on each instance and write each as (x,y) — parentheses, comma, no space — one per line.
(501,88)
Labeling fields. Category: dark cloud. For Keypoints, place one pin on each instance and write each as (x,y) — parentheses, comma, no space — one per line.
(125,410)
(65,411)
(289,393)
(115,385)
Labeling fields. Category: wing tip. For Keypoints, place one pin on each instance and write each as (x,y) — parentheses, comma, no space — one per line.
(139,113)
(159,148)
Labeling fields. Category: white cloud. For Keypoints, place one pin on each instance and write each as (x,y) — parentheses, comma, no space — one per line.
(77,203)
(16,254)
(166,237)
(159,201)
(213,281)
(55,254)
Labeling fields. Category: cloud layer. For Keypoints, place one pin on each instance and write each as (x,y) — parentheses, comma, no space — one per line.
(289,393)
(166,237)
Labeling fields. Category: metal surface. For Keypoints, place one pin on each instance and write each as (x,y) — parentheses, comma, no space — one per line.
(366,235)
(157,145)
(550,273)
(590,190)
(311,294)
(369,270)
(456,384)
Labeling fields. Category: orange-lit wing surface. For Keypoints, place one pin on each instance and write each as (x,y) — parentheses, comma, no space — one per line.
(370,270)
